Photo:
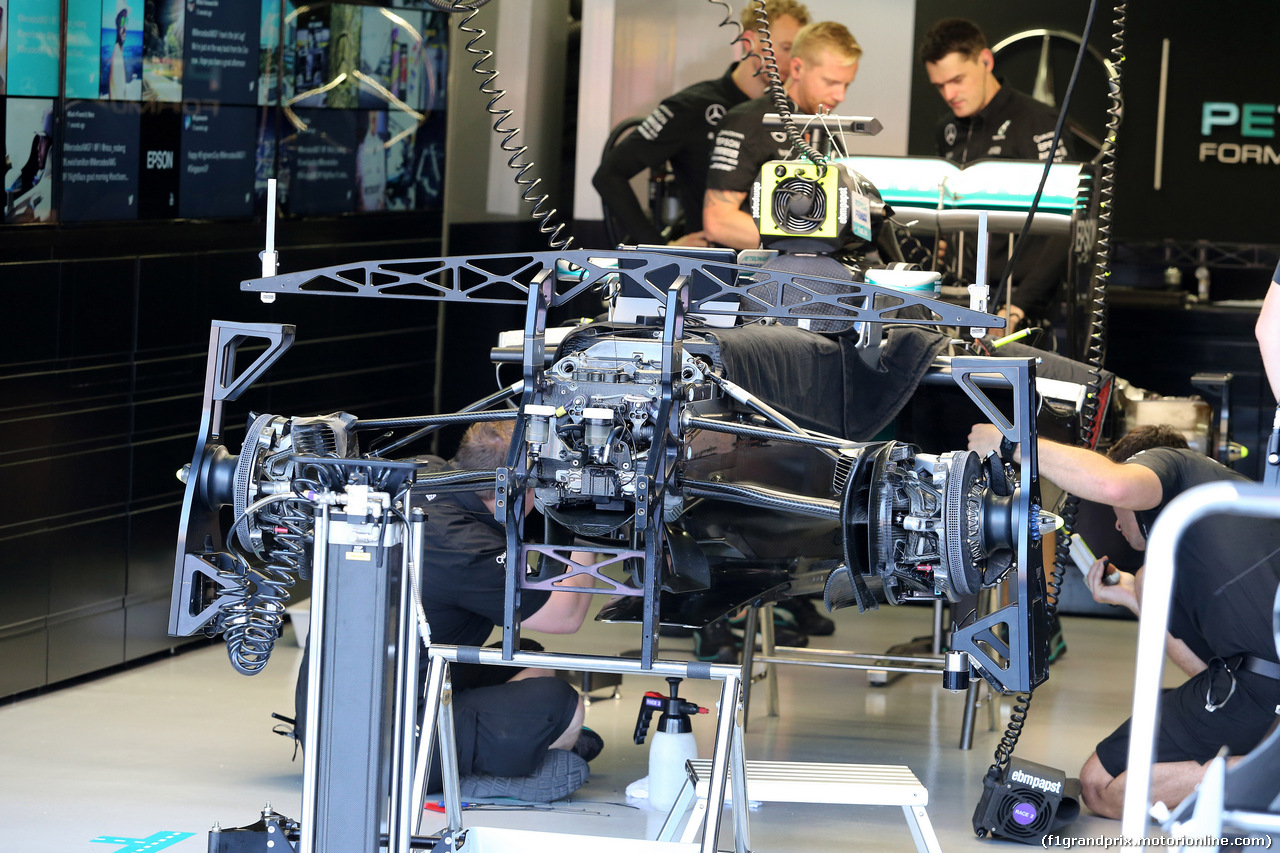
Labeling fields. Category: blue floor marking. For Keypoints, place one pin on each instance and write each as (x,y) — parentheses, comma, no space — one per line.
(156,841)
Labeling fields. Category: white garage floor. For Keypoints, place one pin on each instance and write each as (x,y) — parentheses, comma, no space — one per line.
(134,760)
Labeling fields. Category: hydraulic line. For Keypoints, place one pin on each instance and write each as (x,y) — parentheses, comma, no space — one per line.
(479,405)
(762,497)
(750,431)
(745,397)
(436,420)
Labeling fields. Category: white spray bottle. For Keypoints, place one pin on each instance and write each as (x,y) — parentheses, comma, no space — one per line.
(672,745)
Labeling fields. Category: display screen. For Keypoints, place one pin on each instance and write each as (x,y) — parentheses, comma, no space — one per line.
(186,108)
(31,30)
(217,165)
(99,161)
(31,163)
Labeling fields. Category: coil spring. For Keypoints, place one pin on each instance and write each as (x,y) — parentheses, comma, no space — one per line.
(779,94)
(542,211)
(237,589)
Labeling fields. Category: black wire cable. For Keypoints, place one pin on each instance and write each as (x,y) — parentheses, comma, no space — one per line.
(740,36)
(542,210)
(1006,278)
(777,91)
(1062,543)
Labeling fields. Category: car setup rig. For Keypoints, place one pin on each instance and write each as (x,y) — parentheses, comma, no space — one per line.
(641,452)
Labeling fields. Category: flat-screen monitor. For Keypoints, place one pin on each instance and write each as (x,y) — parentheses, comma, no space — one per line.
(186,108)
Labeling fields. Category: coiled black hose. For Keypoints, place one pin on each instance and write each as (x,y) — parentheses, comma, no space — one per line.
(1090,411)
(1096,353)
(253,627)
(253,623)
(767,433)
(1097,346)
(542,210)
(776,90)
(451,6)
(729,20)
(1013,731)
(464,417)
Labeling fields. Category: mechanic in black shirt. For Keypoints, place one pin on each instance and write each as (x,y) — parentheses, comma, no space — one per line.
(990,119)
(824,61)
(518,731)
(683,126)
(1220,631)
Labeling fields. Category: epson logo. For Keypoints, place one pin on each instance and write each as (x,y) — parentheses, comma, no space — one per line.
(1035,782)
(159,159)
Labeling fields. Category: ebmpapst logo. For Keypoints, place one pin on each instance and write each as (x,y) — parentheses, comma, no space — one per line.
(1035,783)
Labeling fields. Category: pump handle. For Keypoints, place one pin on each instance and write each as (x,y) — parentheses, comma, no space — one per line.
(650,702)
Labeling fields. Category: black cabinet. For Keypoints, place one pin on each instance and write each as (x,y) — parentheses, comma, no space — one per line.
(1160,348)
(101,376)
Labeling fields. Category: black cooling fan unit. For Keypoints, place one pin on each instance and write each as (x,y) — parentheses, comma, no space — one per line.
(813,202)
(1026,802)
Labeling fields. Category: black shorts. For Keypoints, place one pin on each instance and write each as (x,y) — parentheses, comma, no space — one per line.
(505,729)
(1187,732)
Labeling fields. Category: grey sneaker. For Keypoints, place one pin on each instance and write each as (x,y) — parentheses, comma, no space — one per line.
(559,775)
(589,745)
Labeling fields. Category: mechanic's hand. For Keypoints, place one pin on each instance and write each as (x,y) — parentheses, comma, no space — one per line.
(1124,592)
(1014,315)
(695,238)
(985,438)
